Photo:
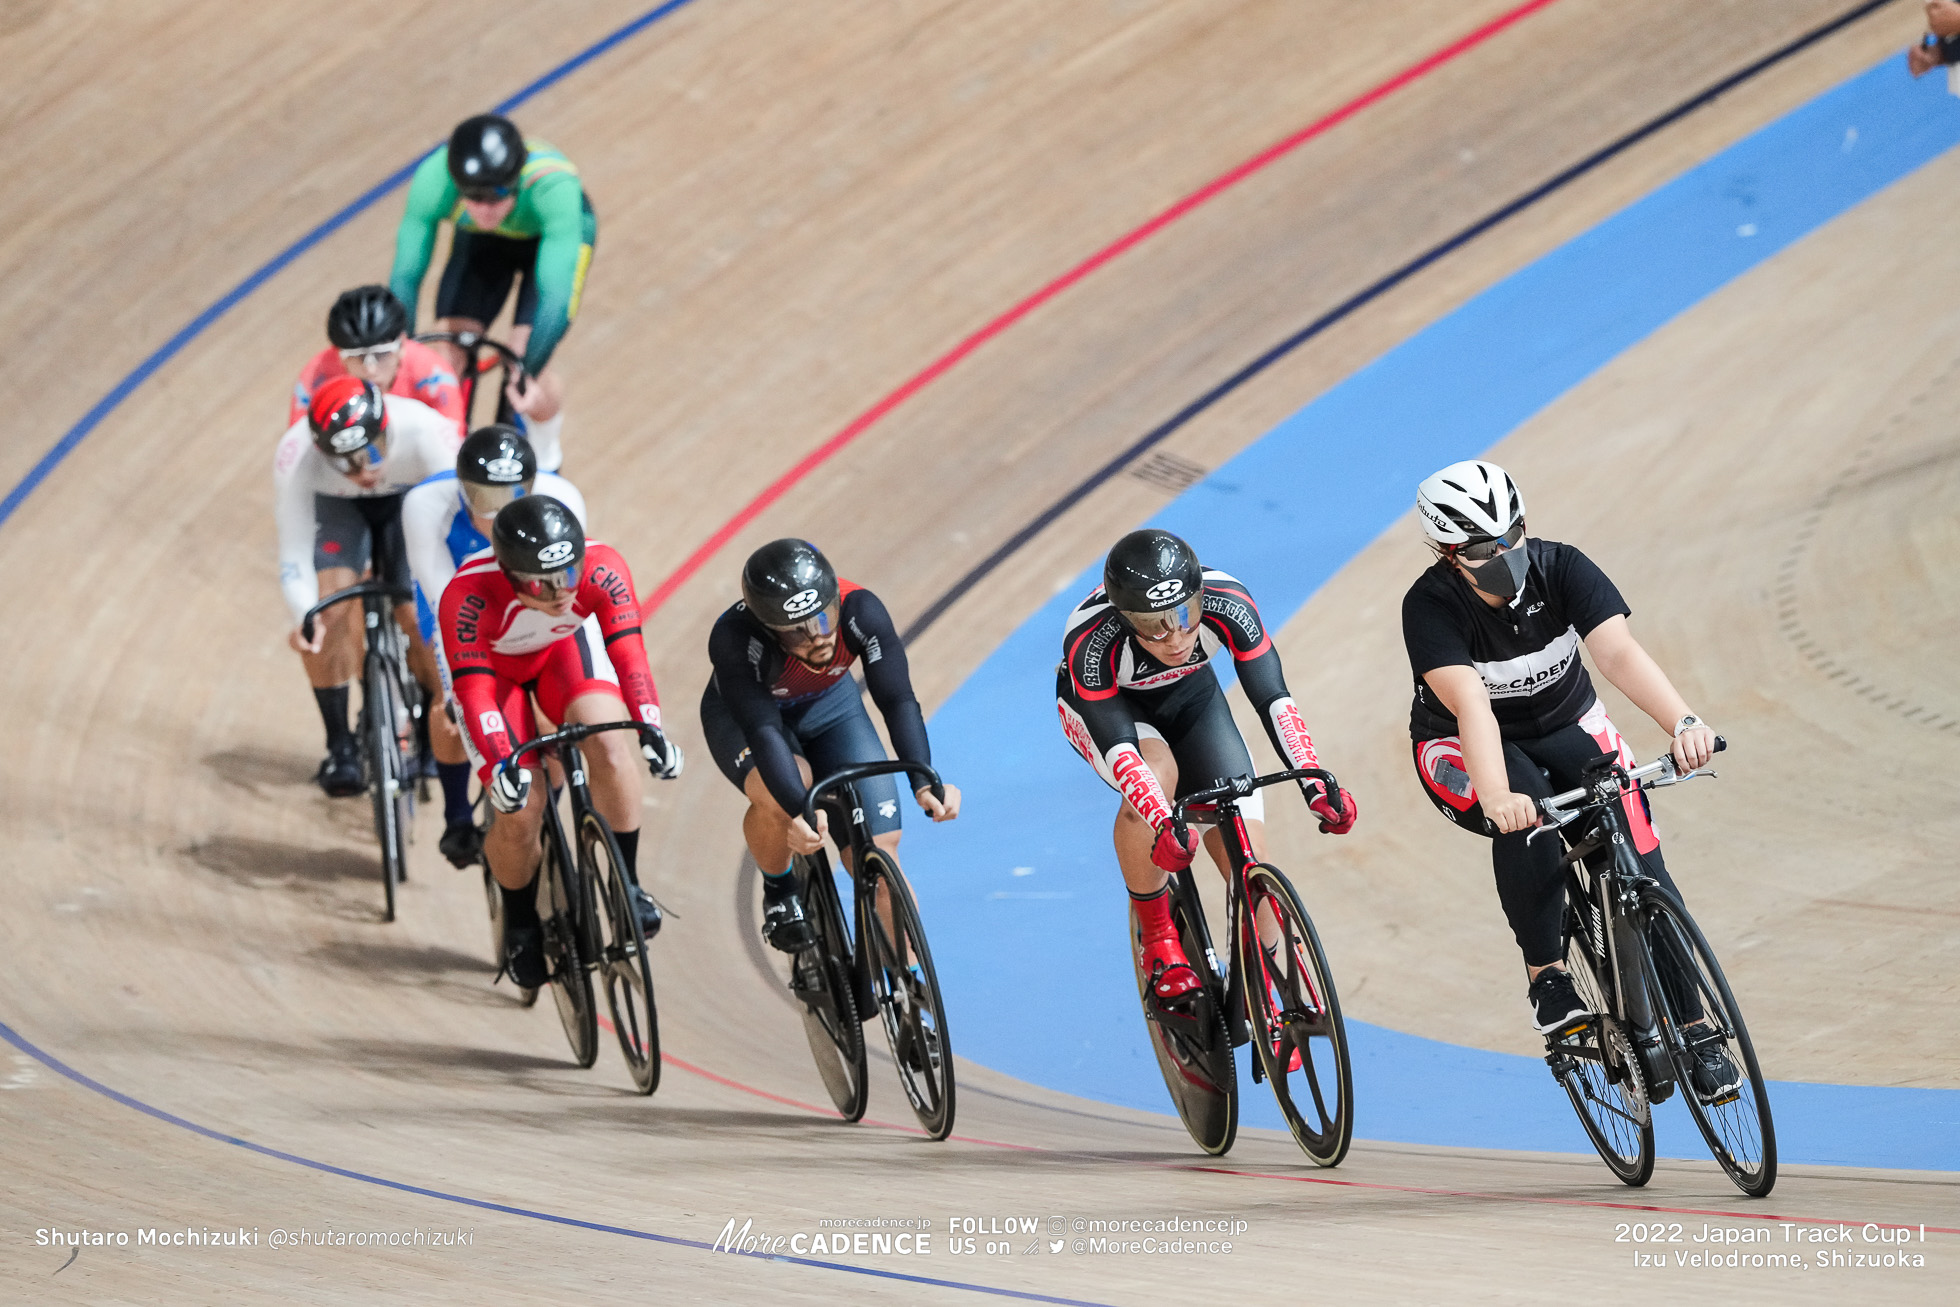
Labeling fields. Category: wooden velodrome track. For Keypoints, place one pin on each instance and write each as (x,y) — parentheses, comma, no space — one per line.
(800,209)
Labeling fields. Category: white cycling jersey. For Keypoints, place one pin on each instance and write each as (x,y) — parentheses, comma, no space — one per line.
(421,442)
(544,438)
(440,534)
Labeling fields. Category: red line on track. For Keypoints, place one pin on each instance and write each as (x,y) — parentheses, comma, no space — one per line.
(1598,1203)
(945,362)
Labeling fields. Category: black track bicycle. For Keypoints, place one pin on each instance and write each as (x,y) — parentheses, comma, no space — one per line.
(1277,993)
(392,705)
(586,906)
(887,966)
(473,344)
(1657,995)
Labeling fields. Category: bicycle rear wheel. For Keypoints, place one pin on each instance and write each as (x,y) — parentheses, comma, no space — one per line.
(564,947)
(1193,1047)
(382,758)
(1690,987)
(906,989)
(622,955)
(1597,1067)
(1297,1031)
(822,976)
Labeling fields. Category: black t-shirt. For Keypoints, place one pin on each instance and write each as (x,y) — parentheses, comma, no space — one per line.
(1527,651)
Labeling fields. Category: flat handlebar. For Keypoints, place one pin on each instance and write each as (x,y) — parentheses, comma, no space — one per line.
(1558,809)
(1238,787)
(864,770)
(359,590)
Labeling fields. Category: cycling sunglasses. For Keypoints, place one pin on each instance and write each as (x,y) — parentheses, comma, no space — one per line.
(1181,620)
(810,631)
(1485,550)
(367,353)
(485,500)
(488,196)
(548,586)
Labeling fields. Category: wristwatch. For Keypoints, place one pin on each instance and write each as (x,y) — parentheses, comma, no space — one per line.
(1686,722)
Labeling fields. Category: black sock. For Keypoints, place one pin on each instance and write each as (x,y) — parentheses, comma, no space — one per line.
(775,884)
(455,778)
(629,852)
(520,905)
(333,712)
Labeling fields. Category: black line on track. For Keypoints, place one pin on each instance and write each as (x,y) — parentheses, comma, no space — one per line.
(1368,295)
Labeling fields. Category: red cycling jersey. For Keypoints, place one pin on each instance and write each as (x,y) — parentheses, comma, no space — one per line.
(497,651)
(422,375)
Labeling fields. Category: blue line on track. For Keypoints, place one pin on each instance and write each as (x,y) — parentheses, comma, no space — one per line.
(1029,876)
(284,259)
(61,1068)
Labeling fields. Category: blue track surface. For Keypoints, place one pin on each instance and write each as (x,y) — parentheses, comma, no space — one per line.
(1035,963)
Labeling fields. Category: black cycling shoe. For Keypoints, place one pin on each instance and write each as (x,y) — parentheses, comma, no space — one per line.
(462,844)
(785,924)
(1713,1074)
(1555,1004)
(340,771)
(646,910)
(524,955)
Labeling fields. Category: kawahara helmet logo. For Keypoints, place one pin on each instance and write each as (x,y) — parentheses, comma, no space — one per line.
(801,603)
(556,553)
(504,469)
(1165,591)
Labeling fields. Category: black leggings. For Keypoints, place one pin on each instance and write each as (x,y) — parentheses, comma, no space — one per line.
(1530,880)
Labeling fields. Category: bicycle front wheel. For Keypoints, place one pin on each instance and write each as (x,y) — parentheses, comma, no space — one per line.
(906,989)
(1597,1066)
(1702,1013)
(622,954)
(564,950)
(822,976)
(384,775)
(1297,1030)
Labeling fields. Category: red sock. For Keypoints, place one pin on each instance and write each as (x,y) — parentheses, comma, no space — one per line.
(1154,913)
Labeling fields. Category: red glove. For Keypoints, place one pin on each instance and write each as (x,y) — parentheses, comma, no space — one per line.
(1169,852)
(1333,820)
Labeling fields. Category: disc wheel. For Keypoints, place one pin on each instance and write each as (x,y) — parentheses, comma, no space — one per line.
(905,988)
(1703,1014)
(821,976)
(1608,1089)
(564,954)
(382,761)
(1295,1017)
(622,955)
(1193,1048)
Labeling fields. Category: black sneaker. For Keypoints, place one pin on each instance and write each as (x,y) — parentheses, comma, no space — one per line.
(340,771)
(784,922)
(646,910)
(1713,1074)
(524,955)
(1555,1004)
(462,844)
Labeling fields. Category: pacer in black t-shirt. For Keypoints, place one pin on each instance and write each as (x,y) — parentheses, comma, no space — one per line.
(1493,630)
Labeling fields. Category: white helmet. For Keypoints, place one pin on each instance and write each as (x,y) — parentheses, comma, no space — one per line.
(1469,501)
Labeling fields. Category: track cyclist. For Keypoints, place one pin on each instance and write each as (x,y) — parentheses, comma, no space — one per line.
(338,478)
(445,520)
(1139,703)
(513,624)
(1493,630)
(781,701)
(367,331)
(521,215)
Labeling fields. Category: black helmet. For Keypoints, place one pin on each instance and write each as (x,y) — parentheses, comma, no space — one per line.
(364,317)
(486,154)
(540,545)
(349,422)
(495,466)
(788,585)
(1154,580)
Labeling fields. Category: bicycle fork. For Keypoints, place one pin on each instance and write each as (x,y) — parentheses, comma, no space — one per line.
(1630,970)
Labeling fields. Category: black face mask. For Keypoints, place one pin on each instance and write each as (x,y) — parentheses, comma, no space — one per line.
(1503,575)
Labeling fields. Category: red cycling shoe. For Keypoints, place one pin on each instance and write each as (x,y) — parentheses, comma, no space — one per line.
(1170,974)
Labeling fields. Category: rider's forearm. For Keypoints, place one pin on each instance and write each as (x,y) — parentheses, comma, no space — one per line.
(1483,749)
(415,238)
(1633,671)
